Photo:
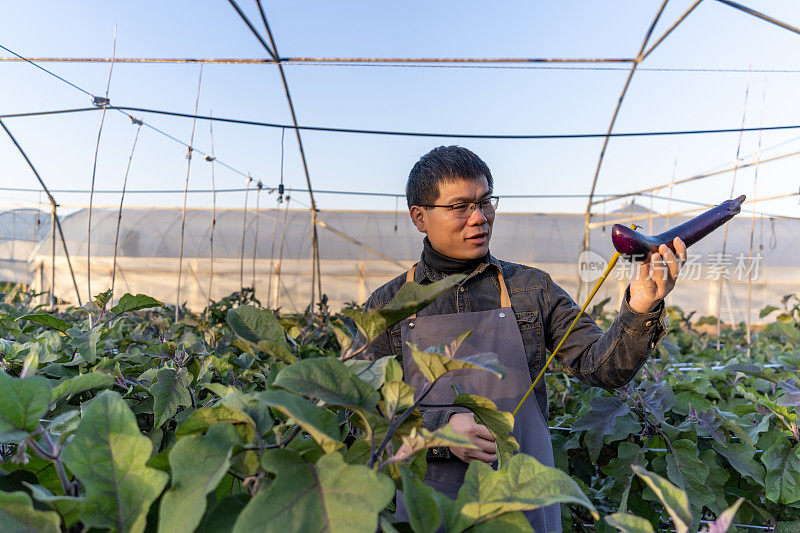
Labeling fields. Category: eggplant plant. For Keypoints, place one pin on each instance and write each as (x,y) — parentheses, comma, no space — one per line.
(240,419)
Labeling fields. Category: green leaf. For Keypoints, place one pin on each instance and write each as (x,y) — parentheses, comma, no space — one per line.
(499,423)
(108,454)
(783,472)
(408,300)
(628,523)
(223,516)
(423,512)
(201,420)
(740,457)
(433,363)
(329,496)
(199,463)
(515,522)
(68,507)
(397,396)
(421,439)
(522,485)
(767,310)
(250,404)
(619,468)
(85,343)
(329,380)
(262,330)
(102,299)
(690,474)
(725,520)
(372,372)
(170,390)
(18,515)
(46,320)
(674,499)
(80,383)
(787,527)
(321,424)
(22,403)
(129,302)
(601,420)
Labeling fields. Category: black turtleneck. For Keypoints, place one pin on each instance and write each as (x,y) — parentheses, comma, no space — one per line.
(446,264)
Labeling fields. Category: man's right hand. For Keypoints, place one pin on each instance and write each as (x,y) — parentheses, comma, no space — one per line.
(464,424)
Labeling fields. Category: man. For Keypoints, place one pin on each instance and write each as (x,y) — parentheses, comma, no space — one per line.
(515,311)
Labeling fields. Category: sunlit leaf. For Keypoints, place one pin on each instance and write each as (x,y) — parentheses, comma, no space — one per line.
(202,419)
(397,397)
(373,372)
(329,380)
(499,423)
(22,403)
(68,507)
(262,330)
(80,383)
(434,363)
(198,463)
(329,496)
(129,302)
(628,523)
(47,320)
(108,454)
(17,515)
(321,424)
(725,520)
(522,485)
(408,300)
(767,310)
(674,499)
(422,439)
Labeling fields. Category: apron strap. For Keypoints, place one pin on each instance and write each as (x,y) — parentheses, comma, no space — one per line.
(505,299)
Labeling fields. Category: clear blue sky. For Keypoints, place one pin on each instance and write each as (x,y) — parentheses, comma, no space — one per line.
(467,100)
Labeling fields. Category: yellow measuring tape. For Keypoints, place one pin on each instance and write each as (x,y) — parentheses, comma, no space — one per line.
(600,281)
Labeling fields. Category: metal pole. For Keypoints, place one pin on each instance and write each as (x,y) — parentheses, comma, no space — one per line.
(588,215)
(725,231)
(186,195)
(261,61)
(52,202)
(53,257)
(315,266)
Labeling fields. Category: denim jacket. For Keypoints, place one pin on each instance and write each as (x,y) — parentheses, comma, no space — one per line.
(543,311)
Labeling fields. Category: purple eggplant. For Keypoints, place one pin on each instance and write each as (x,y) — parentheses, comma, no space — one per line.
(637,247)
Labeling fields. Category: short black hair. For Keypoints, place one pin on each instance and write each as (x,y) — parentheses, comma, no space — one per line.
(443,164)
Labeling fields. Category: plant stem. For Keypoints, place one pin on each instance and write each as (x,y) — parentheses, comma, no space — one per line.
(397,423)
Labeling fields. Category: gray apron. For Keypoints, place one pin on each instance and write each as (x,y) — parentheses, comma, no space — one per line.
(495,331)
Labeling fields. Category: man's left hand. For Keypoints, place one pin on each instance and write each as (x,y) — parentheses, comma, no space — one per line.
(656,278)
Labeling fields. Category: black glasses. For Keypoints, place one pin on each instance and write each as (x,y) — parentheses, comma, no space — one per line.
(464,209)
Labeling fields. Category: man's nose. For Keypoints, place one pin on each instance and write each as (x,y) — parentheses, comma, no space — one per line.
(477,218)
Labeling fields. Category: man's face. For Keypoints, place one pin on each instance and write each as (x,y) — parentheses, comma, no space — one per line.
(452,236)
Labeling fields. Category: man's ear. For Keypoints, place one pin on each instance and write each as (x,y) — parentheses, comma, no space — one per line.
(417,214)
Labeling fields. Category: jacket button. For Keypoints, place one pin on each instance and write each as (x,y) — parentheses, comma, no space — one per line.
(435,451)
(648,322)
(461,288)
(411,325)
(502,315)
